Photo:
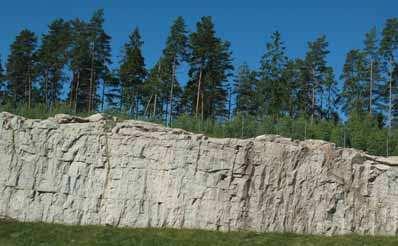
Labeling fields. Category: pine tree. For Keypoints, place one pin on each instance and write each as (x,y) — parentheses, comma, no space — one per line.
(355,83)
(295,87)
(174,54)
(21,68)
(297,77)
(373,69)
(245,90)
(80,65)
(388,49)
(210,68)
(132,73)
(111,91)
(52,58)
(154,89)
(317,67)
(331,95)
(100,53)
(272,86)
(90,58)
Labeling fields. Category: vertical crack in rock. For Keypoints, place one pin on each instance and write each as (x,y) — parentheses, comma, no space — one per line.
(143,195)
(237,147)
(122,213)
(198,157)
(248,171)
(107,166)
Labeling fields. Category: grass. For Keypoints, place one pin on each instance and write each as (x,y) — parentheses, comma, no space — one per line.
(40,234)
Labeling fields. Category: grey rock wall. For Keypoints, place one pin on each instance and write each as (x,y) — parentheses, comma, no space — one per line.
(96,171)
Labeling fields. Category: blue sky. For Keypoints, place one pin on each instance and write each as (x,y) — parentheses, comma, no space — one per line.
(246,24)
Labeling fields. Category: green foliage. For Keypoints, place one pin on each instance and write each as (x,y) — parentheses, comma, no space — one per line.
(272,87)
(132,73)
(89,61)
(319,76)
(293,97)
(52,57)
(245,90)
(175,52)
(21,67)
(35,234)
(210,65)
(355,82)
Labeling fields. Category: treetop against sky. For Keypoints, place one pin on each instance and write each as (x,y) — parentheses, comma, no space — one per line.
(246,24)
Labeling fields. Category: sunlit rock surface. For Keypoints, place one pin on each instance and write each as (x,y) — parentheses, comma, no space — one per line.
(98,171)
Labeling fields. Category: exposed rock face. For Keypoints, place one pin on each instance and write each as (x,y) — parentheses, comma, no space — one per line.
(93,171)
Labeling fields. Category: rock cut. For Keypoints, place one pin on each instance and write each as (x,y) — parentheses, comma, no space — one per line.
(96,170)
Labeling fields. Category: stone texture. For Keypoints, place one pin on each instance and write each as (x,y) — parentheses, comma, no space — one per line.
(97,171)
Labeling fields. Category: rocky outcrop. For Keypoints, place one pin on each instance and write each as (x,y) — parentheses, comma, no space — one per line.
(99,171)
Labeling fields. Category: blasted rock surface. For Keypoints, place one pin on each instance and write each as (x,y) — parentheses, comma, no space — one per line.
(96,171)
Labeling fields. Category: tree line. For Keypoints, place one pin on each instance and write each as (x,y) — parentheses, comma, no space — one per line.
(69,68)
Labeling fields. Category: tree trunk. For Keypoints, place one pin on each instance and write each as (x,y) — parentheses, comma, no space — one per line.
(29,88)
(389,110)
(132,103)
(329,102)
(371,87)
(229,102)
(91,79)
(147,106)
(313,105)
(121,97)
(313,98)
(77,90)
(154,107)
(171,96)
(46,88)
(198,92)
(103,96)
(72,89)
(53,94)
(202,107)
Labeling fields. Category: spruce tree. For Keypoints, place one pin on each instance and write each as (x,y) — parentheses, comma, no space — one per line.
(294,82)
(21,68)
(355,83)
(331,95)
(245,91)
(52,58)
(272,87)
(110,91)
(297,77)
(132,73)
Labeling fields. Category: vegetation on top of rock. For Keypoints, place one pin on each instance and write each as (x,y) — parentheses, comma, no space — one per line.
(69,70)
(361,131)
